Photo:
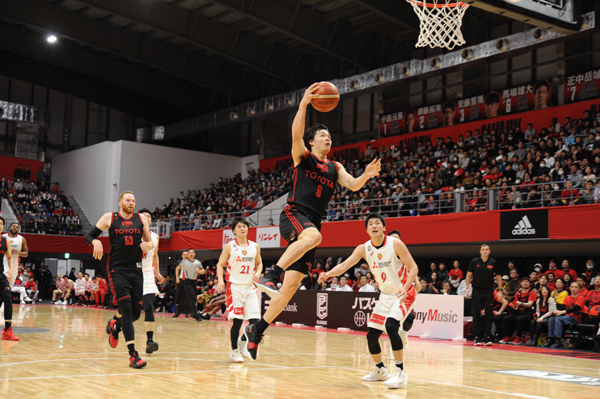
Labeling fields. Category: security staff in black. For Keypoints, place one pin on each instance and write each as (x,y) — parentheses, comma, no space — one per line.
(483,270)
(314,180)
(129,237)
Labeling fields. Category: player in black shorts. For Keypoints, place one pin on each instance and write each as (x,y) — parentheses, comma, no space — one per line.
(314,180)
(5,291)
(129,237)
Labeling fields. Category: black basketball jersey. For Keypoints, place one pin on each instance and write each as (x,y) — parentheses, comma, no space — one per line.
(3,249)
(125,238)
(313,183)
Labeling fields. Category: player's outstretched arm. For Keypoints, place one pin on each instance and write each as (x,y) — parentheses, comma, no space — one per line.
(353,259)
(220,265)
(259,264)
(159,276)
(356,183)
(298,147)
(92,237)
(406,258)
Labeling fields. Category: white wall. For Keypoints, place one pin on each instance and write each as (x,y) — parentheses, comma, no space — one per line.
(88,175)
(96,175)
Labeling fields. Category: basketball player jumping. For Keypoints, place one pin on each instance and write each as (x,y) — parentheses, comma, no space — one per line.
(129,237)
(244,266)
(5,291)
(314,179)
(151,272)
(18,246)
(395,270)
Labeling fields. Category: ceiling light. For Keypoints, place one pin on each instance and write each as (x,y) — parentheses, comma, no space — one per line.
(51,39)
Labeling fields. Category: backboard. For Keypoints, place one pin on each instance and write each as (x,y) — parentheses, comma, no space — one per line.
(563,16)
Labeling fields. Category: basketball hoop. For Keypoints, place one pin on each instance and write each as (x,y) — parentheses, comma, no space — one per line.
(441,21)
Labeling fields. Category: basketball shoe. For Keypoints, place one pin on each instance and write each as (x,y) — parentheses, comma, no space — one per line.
(135,361)
(377,374)
(113,335)
(236,356)
(252,340)
(151,346)
(268,284)
(242,346)
(9,335)
(397,380)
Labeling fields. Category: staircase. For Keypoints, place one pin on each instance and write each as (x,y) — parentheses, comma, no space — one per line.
(85,223)
(271,211)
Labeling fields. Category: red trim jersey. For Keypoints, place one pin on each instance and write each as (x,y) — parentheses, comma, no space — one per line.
(570,302)
(561,273)
(524,297)
(455,274)
(593,297)
(389,271)
(241,264)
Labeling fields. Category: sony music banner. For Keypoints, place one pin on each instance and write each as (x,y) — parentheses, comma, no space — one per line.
(268,237)
(438,316)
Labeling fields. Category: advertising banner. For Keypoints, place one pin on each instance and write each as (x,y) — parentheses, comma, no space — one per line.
(582,86)
(521,98)
(438,316)
(519,225)
(268,237)
(227,236)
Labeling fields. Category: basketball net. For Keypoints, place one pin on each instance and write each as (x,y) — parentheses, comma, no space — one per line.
(441,21)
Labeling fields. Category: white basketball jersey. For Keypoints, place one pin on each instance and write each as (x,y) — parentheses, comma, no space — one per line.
(15,243)
(147,258)
(241,264)
(389,271)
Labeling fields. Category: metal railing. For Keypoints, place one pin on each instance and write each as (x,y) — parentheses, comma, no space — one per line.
(50,228)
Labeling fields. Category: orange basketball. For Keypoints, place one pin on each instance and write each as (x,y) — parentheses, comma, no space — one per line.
(329,97)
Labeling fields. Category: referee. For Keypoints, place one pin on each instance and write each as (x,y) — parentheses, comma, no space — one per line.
(190,267)
(483,270)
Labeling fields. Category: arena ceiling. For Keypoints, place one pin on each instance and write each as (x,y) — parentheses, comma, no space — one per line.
(172,59)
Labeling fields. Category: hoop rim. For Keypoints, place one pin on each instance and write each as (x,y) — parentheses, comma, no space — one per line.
(447,5)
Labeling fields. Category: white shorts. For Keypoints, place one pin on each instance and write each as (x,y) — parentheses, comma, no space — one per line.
(390,306)
(242,302)
(150,283)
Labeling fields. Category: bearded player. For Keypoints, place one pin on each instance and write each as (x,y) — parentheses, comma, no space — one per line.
(395,270)
(244,266)
(151,272)
(18,247)
(314,179)
(129,238)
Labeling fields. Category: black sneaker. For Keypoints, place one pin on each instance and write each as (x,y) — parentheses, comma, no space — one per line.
(135,361)
(252,340)
(205,316)
(113,335)
(268,285)
(176,314)
(477,342)
(151,346)
(198,317)
(488,341)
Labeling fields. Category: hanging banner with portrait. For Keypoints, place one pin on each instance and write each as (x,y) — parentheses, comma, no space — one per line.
(521,98)
(582,86)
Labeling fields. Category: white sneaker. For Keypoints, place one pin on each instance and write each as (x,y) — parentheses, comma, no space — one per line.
(242,347)
(64,302)
(397,380)
(27,299)
(404,337)
(22,302)
(58,302)
(236,356)
(378,374)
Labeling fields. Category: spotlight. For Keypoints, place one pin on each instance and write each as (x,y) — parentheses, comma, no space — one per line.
(378,77)
(467,54)
(288,102)
(233,116)
(51,39)
(354,84)
(502,44)
(539,34)
(435,62)
(405,70)
(268,106)
(250,111)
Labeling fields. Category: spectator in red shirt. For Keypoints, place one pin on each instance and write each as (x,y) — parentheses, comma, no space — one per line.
(566,268)
(32,290)
(455,275)
(594,303)
(551,268)
(590,271)
(551,280)
(573,314)
(520,319)
(583,283)
(570,195)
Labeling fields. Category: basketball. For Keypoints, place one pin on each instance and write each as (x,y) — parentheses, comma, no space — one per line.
(329,97)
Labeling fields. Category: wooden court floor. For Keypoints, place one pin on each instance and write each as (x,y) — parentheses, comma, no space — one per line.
(73,360)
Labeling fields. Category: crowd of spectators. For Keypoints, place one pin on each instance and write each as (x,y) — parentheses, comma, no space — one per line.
(41,209)
(216,206)
(555,166)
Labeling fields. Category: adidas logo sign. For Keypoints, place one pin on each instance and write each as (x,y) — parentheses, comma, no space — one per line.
(523,228)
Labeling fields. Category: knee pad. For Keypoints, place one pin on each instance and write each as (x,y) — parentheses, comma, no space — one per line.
(148,308)
(136,311)
(237,323)
(408,322)
(373,341)
(392,327)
